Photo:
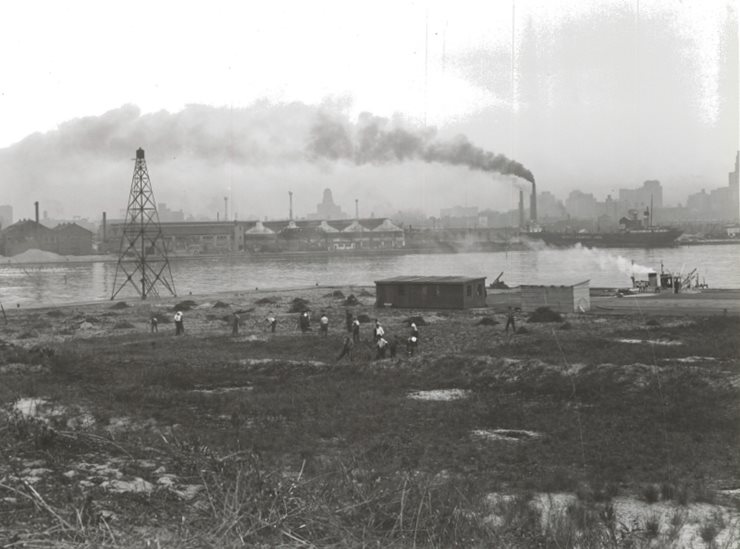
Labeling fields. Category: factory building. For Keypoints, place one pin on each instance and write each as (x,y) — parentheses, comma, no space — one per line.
(198,237)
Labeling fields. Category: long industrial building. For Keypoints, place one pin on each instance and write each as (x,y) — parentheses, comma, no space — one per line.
(207,237)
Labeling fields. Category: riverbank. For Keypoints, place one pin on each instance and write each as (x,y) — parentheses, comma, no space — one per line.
(578,431)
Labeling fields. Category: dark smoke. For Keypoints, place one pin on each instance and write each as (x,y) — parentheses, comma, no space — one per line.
(375,140)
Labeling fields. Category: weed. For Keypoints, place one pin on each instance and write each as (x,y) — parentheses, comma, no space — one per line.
(650,493)
(652,527)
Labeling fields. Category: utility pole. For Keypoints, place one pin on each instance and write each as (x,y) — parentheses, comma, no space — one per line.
(142,256)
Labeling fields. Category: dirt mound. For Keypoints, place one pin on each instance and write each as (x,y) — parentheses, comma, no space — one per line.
(298,305)
(566,326)
(545,314)
(365,293)
(652,322)
(266,301)
(338,294)
(221,305)
(418,320)
(351,300)
(123,325)
(55,313)
(487,321)
(522,330)
(120,305)
(364,319)
(184,305)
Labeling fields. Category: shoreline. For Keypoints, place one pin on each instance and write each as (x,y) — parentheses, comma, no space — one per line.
(480,248)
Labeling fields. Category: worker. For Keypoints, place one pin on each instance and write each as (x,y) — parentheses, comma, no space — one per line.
(304,322)
(324,324)
(235,324)
(356,330)
(378,332)
(381,344)
(271,322)
(510,321)
(414,330)
(346,349)
(411,345)
(179,323)
(154,324)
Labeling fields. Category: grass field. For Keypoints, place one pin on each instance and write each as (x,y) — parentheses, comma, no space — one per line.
(595,431)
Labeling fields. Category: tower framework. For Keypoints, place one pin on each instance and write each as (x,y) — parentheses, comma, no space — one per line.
(142,256)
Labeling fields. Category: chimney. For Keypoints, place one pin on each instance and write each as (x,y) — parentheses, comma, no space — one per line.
(357,209)
(104,227)
(533,204)
(290,195)
(36,206)
(226,208)
(521,209)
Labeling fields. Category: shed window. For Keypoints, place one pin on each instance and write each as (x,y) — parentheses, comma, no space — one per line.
(469,290)
(480,289)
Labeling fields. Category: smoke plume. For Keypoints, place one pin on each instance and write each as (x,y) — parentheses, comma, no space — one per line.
(253,155)
(375,140)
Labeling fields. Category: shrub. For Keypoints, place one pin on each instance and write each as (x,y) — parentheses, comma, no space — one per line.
(184,305)
(298,305)
(652,322)
(650,493)
(266,301)
(351,300)
(487,321)
(220,305)
(545,314)
(120,305)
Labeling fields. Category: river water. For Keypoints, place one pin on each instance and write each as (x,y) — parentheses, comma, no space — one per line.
(59,283)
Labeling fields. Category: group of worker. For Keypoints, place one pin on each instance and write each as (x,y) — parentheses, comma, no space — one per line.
(382,343)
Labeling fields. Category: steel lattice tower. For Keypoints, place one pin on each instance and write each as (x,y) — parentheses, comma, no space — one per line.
(142,257)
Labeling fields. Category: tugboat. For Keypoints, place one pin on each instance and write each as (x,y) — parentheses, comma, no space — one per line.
(633,233)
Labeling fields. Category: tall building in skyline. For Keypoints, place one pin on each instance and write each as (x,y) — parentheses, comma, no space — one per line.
(6,216)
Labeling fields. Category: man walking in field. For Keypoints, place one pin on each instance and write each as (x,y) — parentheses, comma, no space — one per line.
(235,324)
(356,330)
(154,324)
(348,320)
(272,322)
(379,332)
(346,350)
(324,324)
(510,321)
(381,344)
(179,323)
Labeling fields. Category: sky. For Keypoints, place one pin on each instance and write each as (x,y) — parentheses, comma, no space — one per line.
(226,97)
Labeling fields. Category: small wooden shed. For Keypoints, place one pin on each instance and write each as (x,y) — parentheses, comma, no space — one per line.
(574,298)
(431,292)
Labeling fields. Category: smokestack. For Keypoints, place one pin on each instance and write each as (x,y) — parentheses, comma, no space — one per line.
(521,209)
(36,206)
(290,195)
(226,208)
(357,209)
(533,203)
(104,226)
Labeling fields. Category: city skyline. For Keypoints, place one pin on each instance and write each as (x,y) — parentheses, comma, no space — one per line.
(583,96)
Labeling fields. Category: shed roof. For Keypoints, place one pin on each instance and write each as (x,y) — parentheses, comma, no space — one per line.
(581,283)
(430,279)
